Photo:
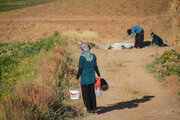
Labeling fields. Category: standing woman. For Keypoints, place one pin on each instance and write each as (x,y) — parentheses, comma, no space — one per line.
(87,68)
(139,38)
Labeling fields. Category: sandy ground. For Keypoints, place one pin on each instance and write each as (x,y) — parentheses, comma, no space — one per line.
(134,93)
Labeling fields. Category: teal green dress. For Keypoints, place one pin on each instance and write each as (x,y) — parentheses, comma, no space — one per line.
(88,70)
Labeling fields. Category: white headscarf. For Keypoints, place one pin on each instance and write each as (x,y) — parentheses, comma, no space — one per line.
(85,47)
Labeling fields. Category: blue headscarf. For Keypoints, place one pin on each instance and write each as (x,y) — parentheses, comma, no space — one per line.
(85,51)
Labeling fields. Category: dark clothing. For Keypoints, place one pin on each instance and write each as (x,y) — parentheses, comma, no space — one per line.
(80,71)
(147,43)
(157,40)
(139,38)
(89,96)
(97,71)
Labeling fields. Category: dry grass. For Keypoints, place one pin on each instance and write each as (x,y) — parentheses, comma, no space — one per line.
(72,36)
(35,93)
(116,64)
(2,113)
(90,36)
(85,36)
(30,101)
(128,87)
(27,101)
(49,67)
(174,10)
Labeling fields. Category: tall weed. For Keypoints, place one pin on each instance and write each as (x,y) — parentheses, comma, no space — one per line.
(39,75)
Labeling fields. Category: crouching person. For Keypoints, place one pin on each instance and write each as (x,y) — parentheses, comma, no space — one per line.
(156,40)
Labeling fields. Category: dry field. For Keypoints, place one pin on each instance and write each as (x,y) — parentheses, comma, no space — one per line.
(110,19)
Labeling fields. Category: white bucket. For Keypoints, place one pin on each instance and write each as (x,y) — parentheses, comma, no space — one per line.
(74,94)
(98,92)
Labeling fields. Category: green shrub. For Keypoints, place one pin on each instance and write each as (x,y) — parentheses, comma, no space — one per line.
(166,65)
(168,56)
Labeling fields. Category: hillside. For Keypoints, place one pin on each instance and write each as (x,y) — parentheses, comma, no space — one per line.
(110,19)
(113,7)
(104,7)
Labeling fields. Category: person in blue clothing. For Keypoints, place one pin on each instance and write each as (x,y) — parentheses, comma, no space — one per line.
(139,38)
(87,68)
(156,40)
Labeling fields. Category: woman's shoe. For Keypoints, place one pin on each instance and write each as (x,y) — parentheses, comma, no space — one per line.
(89,111)
(94,112)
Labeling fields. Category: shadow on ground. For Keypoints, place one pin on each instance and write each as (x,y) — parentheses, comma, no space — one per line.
(122,105)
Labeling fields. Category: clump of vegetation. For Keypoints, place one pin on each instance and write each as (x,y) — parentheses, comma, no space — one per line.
(34,80)
(17,60)
(168,64)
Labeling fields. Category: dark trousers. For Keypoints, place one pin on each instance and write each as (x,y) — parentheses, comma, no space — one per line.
(89,96)
(160,43)
(139,40)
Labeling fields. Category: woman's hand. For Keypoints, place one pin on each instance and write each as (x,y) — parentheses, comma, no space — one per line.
(76,82)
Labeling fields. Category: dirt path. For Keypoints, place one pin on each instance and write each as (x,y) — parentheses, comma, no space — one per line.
(134,93)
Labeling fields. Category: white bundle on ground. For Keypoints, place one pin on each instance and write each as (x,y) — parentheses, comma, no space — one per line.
(105,46)
(121,45)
